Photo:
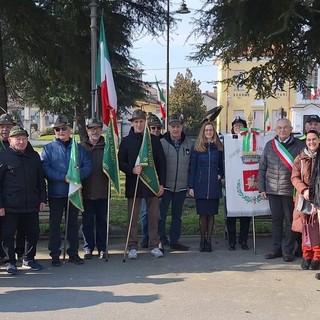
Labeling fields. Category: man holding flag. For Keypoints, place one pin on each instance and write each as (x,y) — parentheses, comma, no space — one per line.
(142,159)
(95,194)
(56,162)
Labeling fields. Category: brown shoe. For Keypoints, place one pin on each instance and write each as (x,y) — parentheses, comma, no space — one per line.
(288,258)
(272,255)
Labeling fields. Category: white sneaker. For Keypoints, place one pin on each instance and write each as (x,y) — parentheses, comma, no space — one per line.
(133,254)
(156,253)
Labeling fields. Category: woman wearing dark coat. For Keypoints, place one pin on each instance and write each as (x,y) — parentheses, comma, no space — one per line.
(314,189)
(205,173)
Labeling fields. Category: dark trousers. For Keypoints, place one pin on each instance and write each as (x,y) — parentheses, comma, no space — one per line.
(244,229)
(57,206)
(281,216)
(30,222)
(177,200)
(20,240)
(94,224)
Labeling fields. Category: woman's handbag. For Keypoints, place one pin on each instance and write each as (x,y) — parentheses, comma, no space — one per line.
(304,205)
(310,233)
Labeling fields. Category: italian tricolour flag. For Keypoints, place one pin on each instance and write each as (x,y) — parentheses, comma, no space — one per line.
(105,81)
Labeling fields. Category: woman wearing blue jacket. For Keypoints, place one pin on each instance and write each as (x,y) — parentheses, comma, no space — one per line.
(205,173)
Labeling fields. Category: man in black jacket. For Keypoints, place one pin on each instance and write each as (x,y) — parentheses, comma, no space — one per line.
(128,153)
(22,196)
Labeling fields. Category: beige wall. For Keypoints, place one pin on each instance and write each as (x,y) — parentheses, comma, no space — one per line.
(237,101)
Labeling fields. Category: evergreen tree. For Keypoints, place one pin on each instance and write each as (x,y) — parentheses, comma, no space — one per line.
(285,32)
(185,97)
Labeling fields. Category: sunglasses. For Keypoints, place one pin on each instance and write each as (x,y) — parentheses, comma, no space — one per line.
(155,128)
(62,129)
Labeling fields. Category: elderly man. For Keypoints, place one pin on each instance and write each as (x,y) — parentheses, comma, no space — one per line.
(22,196)
(155,127)
(177,150)
(312,123)
(55,162)
(128,153)
(275,185)
(95,194)
(6,124)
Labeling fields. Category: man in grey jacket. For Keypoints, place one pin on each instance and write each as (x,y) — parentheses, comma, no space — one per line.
(275,185)
(177,150)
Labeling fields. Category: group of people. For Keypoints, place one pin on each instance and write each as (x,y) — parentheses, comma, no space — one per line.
(289,169)
(182,165)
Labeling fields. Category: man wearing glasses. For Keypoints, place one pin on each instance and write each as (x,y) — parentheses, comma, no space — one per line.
(155,127)
(275,185)
(95,194)
(55,162)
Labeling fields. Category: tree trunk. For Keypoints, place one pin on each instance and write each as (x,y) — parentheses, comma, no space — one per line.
(3,87)
(80,118)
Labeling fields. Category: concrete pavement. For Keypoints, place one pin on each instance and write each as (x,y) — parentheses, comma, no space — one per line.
(181,285)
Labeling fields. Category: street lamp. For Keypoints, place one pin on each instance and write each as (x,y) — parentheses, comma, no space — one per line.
(93,26)
(182,10)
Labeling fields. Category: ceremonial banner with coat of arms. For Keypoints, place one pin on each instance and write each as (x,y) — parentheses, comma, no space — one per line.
(242,155)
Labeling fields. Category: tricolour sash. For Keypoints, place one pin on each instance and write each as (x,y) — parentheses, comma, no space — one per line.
(284,155)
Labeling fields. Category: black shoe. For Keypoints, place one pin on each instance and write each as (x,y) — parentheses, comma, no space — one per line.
(272,255)
(76,259)
(305,264)
(314,265)
(317,276)
(208,247)
(203,244)
(244,245)
(232,246)
(56,262)
(145,242)
(288,258)
(179,246)
(87,254)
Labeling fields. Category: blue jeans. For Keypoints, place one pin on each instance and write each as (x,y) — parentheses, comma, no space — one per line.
(177,200)
(144,218)
(94,224)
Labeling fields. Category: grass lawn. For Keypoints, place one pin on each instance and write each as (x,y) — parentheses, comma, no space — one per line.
(190,224)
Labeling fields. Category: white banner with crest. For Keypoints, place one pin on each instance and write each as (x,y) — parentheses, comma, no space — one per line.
(242,154)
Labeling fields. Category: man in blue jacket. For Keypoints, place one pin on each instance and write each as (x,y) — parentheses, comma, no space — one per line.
(55,162)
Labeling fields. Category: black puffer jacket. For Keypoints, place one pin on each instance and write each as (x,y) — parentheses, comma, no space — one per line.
(274,177)
(22,185)
(128,153)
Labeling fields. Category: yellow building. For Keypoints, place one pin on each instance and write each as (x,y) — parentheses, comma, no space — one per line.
(236,101)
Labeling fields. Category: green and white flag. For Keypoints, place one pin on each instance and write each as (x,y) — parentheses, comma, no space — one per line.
(145,159)
(110,163)
(73,177)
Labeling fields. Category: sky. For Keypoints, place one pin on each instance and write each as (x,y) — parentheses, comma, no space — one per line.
(153,56)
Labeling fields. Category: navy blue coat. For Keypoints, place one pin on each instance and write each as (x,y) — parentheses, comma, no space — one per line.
(203,173)
(55,162)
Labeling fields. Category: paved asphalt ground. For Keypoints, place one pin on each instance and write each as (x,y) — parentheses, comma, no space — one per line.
(181,285)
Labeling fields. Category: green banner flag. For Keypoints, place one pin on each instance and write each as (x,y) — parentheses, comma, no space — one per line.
(73,177)
(145,159)
(110,163)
